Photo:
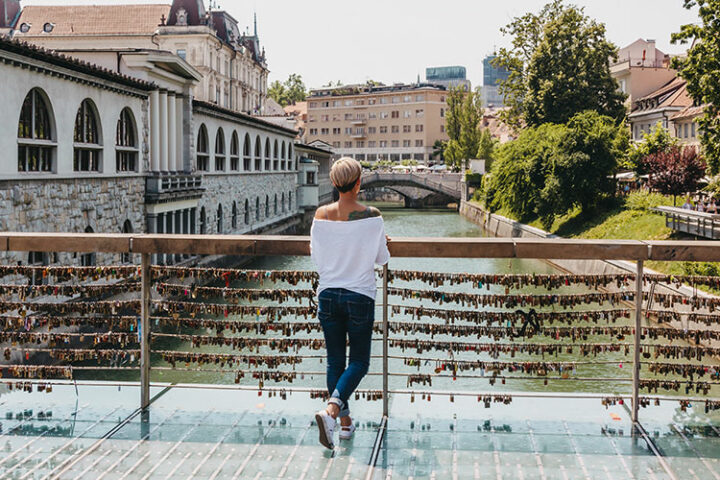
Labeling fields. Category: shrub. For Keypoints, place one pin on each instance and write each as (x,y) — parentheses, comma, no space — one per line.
(646,201)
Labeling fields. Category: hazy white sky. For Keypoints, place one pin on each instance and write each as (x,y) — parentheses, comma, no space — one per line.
(394,40)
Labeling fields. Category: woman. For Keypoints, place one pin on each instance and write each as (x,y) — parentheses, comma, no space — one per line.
(347,241)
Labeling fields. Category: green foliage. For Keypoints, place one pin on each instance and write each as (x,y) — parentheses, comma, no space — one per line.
(438,150)
(645,201)
(701,269)
(700,69)
(463,127)
(558,67)
(551,169)
(473,179)
(486,145)
(658,140)
(290,92)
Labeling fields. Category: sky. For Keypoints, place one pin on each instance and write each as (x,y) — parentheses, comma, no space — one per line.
(393,41)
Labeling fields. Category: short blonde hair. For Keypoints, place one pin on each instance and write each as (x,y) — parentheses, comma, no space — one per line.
(345,173)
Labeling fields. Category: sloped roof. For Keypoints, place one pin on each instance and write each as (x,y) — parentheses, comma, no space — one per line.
(40,54)
(94,19)
(672,94)
(690,111)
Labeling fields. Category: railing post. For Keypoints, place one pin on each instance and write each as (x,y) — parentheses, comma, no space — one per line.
(386,400)
(638,331)
(145,331)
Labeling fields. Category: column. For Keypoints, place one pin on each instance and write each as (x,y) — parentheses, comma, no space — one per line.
(163,131)
(160,229)
(155,131)
(178,231)
(172,132)
(152,228)
(169,217)
(179,148)
(186,225)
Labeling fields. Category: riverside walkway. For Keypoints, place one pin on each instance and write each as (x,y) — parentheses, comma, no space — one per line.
(151,371)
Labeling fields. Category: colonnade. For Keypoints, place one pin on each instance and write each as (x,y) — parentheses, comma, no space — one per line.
(166,131)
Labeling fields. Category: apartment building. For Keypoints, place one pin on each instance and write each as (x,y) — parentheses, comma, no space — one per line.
(372,123)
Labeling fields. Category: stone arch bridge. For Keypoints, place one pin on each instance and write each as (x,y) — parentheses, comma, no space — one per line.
(418,189)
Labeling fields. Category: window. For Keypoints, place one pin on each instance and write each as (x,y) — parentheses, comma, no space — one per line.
(126,229)
(384,100)
(407,98)
(181,53)
(336,131)
(372,130)
(442,128)
(324,131)
(686,130)
(220,219)
(267,206)
(348,103)
(395,129)
(313,104)
(395,143)
(203,154)
(282,203)
(395,114)
(384,115)
(419,143)
(442,112)
(247,211)
(276,152)
(290,201)
(336,144)
(419,128)
(348,144)
(406,143)
(247,159)
(395,99)
(372,144)
(234,153)
(275,205)
(407,128)
(35,142)
(268,154)
(336,103)
(87,143)
(693,130)
(372,115)
(257,208)
(360,144)
(419,98)
(383,143)
(203,221)
(336,117)
(311,118)
(407,114)
(383,129)
(420,113)
(220,151)
(310,178)
(371,101)
(126,150)
(348,116)
(234,218)
(88,259)
(324,118)
(348,130)
(313,131)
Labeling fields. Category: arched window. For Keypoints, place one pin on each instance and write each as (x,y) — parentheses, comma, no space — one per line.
(275,208)
(203,153)
(267,206)
(290,201)
(258,154)
(268,154)
(247,211)
(220,151)
(126,144)
(282,157)
(247,154)
(257,208)
(235,153)
(126,229)
(203,221)
(220,219)
(276,153)
(234,215)
(282,203)
(88,144)
(35,134)
(88,259)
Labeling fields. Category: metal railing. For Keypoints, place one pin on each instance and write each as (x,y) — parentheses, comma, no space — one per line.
(701,224)
(146,279)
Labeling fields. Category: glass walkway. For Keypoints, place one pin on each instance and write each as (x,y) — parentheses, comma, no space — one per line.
(93,431)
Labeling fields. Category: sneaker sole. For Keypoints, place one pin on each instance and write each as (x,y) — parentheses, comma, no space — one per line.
(324,440)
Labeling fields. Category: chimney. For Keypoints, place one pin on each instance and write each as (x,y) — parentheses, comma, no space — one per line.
(9,13)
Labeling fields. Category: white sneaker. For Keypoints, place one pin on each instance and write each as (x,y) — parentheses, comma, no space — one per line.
(326,426)
(346,432)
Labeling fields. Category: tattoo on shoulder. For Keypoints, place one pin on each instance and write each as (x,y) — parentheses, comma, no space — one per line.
(367,213)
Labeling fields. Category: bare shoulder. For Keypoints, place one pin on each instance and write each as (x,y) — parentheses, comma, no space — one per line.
(369,212)
(321,213)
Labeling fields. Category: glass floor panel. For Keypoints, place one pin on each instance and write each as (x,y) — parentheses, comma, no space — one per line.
(94,432)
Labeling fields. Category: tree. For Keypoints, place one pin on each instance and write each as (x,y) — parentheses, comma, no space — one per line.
(558,67)
(656,141)
(486,148)
(290,92)
(675,171)
(700,69)
(551,169)
(462,124)
(438,150)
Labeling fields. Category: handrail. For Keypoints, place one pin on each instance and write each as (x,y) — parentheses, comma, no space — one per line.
(407,247)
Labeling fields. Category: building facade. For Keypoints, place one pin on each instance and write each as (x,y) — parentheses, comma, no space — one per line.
(448,77)
(231,63)
(641,69)
(492,76)
(372,123)
(91,150)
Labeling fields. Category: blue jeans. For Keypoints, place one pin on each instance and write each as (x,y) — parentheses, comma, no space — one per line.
(345,315)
